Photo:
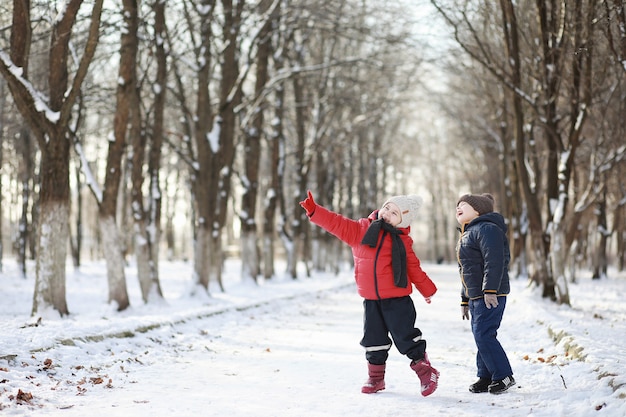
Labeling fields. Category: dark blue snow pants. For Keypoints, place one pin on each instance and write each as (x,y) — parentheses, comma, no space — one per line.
(395,316)
(491,360)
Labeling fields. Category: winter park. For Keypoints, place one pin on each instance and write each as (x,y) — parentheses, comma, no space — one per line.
(284,208)
(290,348)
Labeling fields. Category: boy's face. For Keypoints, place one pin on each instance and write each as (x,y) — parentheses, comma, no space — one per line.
(390,213)
(465,213)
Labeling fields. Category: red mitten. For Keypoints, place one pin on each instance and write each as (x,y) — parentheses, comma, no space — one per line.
(308,204)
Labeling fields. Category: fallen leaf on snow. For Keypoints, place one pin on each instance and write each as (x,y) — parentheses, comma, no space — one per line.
(23,396)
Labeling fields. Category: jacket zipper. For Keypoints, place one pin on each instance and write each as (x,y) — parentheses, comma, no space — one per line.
(380,246)
(458,258)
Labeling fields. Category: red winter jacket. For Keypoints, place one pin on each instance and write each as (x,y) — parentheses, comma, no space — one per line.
(372,268)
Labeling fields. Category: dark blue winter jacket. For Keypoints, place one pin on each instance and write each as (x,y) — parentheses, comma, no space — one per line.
(483,256)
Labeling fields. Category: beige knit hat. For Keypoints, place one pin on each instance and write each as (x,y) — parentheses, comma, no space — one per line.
(482,203)
(409,205)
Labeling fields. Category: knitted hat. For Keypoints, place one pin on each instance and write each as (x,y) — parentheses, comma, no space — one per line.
(408,205)
(482,203)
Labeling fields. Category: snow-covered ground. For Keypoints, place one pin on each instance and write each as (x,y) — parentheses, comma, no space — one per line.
(291,348)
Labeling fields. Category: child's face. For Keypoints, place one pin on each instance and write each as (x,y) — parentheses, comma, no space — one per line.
(465,213)
(390,213)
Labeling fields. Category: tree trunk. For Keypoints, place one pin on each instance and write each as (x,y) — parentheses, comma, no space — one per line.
(276,158)
(51,249)
(619,229)
(222,158)
(147,273)
(53,227)
(206,133)
(24,147)
(214,135)
(600,260)
(558,254)
(76,241)
(566,141)
(274,195)
(542,274)
(252,156)
(201,261)
(153,216)
(216,259)
(2,104)
(114,248)
(298,230)
(116,279)
(49,124)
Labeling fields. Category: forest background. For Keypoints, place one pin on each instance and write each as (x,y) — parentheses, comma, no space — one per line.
(190,129)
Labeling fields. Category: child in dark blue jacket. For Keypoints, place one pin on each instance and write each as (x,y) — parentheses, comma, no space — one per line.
(483,256)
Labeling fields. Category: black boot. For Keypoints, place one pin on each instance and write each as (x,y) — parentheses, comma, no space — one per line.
(498,387)
(482,385)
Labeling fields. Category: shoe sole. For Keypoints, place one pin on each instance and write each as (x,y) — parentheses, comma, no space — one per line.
(500,391)
(371,392)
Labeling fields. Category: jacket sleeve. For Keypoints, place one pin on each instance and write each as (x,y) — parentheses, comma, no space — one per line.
(347,230)
(417,276)
(492,247)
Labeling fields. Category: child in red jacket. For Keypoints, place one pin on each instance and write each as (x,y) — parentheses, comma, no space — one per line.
(385,269)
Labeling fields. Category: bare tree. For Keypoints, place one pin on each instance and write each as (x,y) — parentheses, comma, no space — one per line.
(253,132)
(614,19)
(273,199)
(2,116)
(48,119)
(348,94)
(210,128)
(615,22)
(107,198)
(126,114)
(152,235)
(551,87)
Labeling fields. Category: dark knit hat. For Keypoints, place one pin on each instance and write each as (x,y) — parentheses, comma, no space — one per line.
(482,203)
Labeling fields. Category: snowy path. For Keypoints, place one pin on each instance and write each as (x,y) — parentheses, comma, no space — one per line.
(300,356)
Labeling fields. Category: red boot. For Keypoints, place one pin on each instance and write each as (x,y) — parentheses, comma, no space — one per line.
(376,380)
(428,375)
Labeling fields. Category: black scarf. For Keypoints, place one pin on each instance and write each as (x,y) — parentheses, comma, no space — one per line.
(398,252)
